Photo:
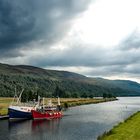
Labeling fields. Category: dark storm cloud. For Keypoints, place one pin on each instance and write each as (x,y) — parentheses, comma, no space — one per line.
(26,21)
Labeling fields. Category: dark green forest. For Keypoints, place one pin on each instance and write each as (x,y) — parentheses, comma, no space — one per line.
(51,83)
(48,87)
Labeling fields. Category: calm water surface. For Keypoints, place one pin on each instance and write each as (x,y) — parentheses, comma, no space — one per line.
(84,122)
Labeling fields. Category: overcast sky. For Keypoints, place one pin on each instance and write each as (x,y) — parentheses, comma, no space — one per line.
(99,38)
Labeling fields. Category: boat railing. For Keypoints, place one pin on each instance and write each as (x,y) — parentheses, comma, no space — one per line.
(29,104)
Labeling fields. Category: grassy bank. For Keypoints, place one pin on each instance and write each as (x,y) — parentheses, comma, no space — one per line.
(4,102)
(127,130)
(82,101)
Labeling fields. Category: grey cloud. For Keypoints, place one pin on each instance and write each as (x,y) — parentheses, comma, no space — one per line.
(27,22)
(88,56)
(24,21)
(73,56)
(131,42)
(114,70)
(101,61)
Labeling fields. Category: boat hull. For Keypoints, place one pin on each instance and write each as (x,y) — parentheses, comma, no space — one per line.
(46,115)
(19,114)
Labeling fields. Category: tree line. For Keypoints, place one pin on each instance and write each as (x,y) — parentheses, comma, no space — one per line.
(46,87)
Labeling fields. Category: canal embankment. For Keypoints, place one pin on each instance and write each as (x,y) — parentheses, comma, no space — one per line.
(129,129)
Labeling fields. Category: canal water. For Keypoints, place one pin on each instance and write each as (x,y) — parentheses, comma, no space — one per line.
(84,122)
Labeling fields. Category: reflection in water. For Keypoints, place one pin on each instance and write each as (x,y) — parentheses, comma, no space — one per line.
(46,129)
(48,126)
(4,131)
(82,122)
(19,128)
(15,123)
(34,129)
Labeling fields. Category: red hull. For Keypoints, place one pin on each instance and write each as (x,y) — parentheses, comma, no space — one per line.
(46,115)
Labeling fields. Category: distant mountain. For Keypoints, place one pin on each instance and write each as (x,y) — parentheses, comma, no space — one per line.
(45,82)
(35,71)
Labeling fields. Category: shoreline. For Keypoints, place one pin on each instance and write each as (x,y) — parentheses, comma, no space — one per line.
(65,102)
(126,130)
(90,101)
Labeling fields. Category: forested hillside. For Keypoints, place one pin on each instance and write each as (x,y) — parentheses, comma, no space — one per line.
(48,83)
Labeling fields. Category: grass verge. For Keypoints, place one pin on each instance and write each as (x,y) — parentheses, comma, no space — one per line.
(127,130)
(4,103)
(80,101)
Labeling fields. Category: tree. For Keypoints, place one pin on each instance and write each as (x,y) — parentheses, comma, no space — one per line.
(58,92)
(108,95)
(84,95)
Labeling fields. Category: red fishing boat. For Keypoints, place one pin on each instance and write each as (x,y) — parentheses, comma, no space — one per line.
(47,112)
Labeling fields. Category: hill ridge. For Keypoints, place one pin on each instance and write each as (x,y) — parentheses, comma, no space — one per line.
(72,84)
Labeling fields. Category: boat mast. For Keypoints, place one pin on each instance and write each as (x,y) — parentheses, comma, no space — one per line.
(19,98)
(43,102)
(58,101)
(38,101)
